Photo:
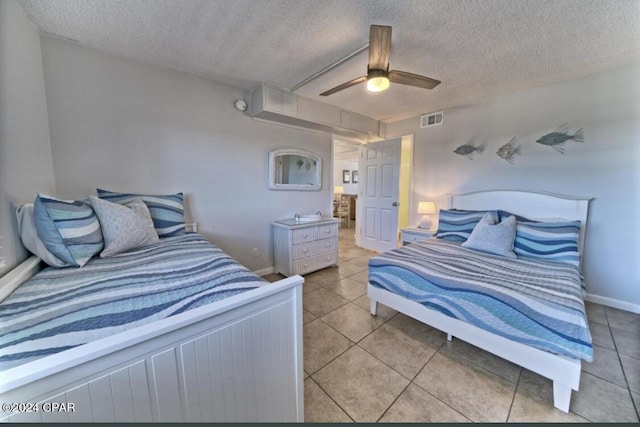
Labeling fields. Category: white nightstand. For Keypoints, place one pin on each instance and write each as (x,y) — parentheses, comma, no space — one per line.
(414,234)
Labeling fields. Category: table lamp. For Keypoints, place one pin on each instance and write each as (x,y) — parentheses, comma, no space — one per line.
(426,208)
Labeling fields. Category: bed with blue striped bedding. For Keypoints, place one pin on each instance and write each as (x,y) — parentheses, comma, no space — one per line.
(539,303)
(61,308)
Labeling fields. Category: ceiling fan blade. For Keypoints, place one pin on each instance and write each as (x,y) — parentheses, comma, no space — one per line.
(411,79)
(379,47)
(344,86)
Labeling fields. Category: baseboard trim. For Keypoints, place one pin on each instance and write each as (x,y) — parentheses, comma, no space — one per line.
(615,303)
(265,271)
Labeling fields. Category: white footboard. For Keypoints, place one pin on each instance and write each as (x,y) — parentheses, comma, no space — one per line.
(564,372)
(237,360)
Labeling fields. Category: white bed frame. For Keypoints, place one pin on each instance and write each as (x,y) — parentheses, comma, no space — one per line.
(563,371)
(235,360)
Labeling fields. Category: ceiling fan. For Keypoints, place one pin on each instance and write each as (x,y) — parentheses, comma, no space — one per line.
(378,74)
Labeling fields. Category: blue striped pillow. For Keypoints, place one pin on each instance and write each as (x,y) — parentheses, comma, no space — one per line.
(167,211)
(69,229)
(456,225)
(555,241)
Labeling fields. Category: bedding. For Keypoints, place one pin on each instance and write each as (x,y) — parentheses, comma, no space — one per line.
(456,225)
(167,210)
(535,302)
(69,229)
(61,308)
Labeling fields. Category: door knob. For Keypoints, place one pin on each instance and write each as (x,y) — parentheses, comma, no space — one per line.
(395,204)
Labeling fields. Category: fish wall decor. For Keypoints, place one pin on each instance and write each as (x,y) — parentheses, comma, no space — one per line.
(557,138)
(508,150)
(468,150)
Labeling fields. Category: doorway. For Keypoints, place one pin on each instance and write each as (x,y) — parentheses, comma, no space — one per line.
(346,178)
(347,159)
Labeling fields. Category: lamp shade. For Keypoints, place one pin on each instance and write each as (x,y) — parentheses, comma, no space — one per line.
(426,208)
(338,189)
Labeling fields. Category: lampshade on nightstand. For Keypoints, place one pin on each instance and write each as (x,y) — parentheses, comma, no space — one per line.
(338,189)
(426,208)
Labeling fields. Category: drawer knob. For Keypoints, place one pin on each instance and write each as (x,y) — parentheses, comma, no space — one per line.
(305,250)
(305,236)
(328,231)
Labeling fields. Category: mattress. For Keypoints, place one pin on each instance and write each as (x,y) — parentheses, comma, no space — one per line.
(538,303)
(61,308)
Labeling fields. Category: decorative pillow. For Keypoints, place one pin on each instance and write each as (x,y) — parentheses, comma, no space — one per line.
(69,229)
(556,241)
(29,236)
(167,211)
(493,238)
(456,225)
(124,227)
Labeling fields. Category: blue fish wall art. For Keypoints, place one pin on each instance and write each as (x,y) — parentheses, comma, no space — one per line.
(557,138)
(468,150)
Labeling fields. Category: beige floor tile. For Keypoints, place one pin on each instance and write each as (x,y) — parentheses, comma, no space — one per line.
(310,286)
(362,385)
(605,365)
(321,345)
(324,276)
(625,320)
(417,406)
(273,277)
(595,313)
(362,277)
(319,408)
(404,349)
(347,288)
(531,408)
(362,261)
(383,311)
(601,335)
(306,375)
(308,316)
(321,301)
(352,321)
(534,383)
(482,358)
(627,342)
(474,392)
(602,401)
(631,367)
(347,269)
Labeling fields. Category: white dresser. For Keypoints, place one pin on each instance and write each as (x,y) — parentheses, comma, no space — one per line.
(300,248)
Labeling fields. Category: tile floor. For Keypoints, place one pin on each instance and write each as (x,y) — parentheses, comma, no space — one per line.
(391,368)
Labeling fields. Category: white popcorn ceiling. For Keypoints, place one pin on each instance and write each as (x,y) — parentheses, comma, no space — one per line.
(477,48)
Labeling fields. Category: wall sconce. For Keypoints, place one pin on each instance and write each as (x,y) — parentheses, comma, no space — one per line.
(426,208)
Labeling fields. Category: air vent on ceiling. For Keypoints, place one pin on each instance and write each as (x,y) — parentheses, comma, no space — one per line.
(433,119)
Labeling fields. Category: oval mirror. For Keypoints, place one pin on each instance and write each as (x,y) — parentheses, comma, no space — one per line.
(294,169)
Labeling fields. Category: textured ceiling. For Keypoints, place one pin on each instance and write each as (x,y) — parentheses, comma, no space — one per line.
(477,48)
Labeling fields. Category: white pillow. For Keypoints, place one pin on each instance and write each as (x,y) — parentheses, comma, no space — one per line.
(29,236)
(493,238)
(124,227)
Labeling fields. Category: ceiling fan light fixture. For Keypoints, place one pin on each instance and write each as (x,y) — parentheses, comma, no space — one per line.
(377,80)
(377,84)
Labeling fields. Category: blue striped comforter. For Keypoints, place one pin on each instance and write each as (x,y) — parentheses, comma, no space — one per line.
(535,302)
(59,309)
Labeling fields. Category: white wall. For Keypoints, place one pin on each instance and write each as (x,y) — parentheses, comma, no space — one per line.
(606,166)
(126,126)
(25,152)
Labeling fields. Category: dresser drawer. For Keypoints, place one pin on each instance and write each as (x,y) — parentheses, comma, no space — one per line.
(304,235)
(306,265)
(326,245)
(326,231)
(304,250)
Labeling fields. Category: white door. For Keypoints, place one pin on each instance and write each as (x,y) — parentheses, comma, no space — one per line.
(379,167)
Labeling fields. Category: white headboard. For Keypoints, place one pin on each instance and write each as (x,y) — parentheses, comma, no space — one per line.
(533,205)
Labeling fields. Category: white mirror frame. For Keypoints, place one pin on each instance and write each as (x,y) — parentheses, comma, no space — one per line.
(273,185)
